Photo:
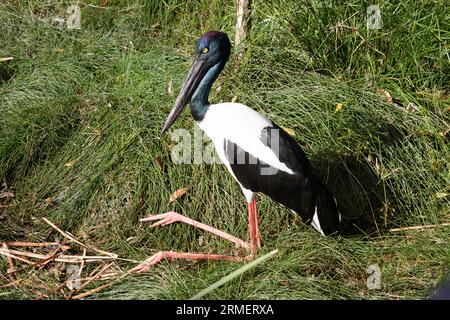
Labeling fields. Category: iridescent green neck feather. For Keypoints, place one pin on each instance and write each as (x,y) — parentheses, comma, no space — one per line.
(199,101)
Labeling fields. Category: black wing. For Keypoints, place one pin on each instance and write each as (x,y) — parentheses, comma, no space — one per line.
(301,191)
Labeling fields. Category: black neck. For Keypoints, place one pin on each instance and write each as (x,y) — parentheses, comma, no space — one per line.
(199,101)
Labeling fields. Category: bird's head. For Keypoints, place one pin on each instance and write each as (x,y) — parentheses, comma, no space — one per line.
(213,47)
(211,50)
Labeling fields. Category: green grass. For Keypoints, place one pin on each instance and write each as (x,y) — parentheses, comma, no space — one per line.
(97,98)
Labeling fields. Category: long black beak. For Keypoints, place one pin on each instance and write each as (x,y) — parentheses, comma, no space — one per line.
(195,75)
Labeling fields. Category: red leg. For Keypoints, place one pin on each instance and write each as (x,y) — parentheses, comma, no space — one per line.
(160,256)
(171,217)
(255,241)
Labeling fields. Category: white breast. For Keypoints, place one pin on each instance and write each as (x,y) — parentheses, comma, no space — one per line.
(242,125)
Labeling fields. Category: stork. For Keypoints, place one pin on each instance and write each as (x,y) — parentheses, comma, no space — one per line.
(260,156)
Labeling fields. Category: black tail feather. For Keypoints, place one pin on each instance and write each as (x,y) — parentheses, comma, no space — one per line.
(327,211)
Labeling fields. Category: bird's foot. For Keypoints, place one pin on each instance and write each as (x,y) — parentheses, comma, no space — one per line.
(170,255)
(164,218)
(155,259)
(172,216)
(258,242)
